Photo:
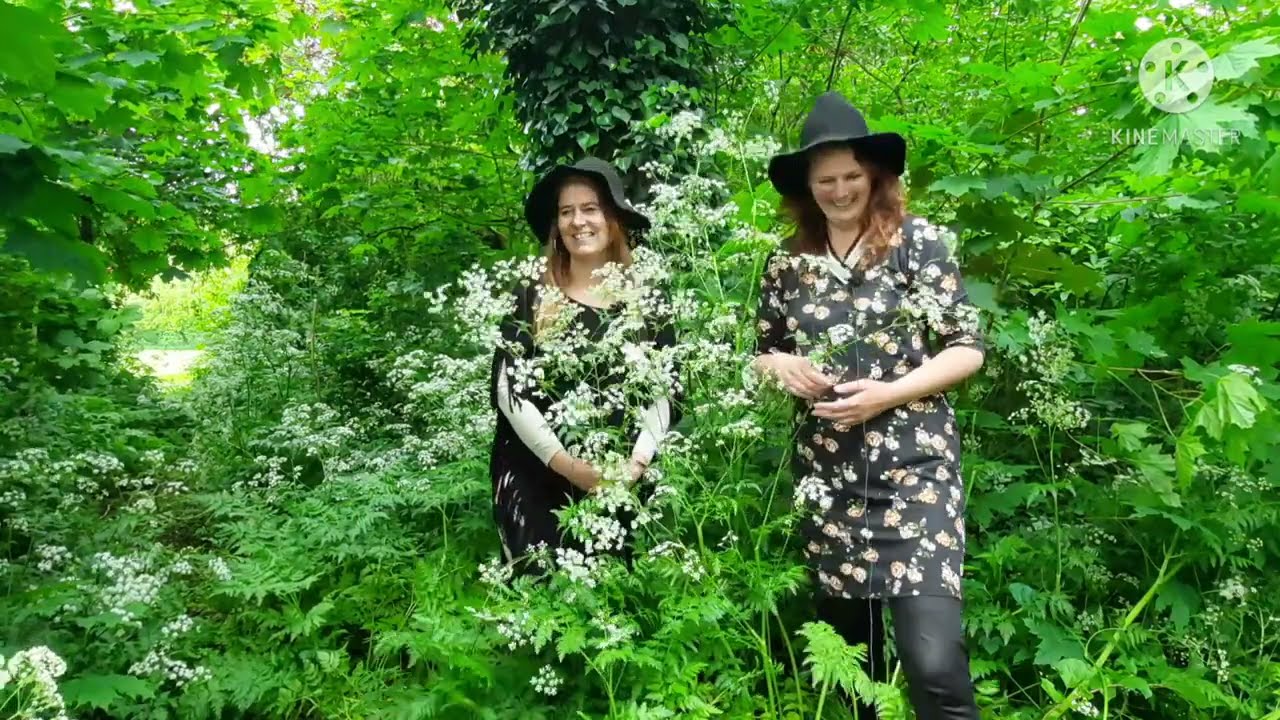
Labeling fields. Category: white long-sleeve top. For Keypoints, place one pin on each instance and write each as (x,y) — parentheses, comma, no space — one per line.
(535,432)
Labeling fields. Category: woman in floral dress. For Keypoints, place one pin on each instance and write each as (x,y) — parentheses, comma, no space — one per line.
(863,316)
(581,214)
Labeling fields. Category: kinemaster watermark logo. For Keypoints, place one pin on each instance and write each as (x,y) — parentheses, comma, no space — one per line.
(1176,76)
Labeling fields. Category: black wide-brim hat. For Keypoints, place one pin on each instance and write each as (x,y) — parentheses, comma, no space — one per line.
(834,120)
(541,205)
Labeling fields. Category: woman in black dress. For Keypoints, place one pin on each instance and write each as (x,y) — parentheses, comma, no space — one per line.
(581,214)
(863,316)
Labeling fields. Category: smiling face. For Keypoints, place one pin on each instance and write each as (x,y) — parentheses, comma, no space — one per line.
(582,221)
(841,185)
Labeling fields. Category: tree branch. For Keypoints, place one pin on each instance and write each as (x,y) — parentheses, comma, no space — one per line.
(835,58)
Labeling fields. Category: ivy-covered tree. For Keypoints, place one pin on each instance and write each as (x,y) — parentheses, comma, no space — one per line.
(584,70)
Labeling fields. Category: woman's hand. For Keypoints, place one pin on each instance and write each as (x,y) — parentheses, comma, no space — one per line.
(637,469)
(863,400)
(797,374)
(582,474)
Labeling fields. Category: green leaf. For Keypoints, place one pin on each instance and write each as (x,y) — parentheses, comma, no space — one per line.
(1022,594)
(1074,671)
(933,26)
(1056,644)
(1240,59)
(1181,600)
(1188,451)
(1199,692)
(150,240)
(192,26)
(1156,158)
(572,641)
(79,97)
(1206,126)
(56,254)
(957,185)
(26,47)
(1158,467)
(136,58)
(1260,203)
(982,295)
(102,691)
(1135,683)
(108,325)
(1235,403)
(1183,202)
(1143,343)
(10,145)
(264,218)
(1130,434)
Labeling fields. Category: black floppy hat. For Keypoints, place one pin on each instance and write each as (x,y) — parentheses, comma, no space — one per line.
(834,120)
(541,204)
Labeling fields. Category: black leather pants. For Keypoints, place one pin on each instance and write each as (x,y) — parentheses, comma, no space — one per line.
(930,642)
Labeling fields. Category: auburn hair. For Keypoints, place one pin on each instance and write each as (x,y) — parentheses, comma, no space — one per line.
(886,209)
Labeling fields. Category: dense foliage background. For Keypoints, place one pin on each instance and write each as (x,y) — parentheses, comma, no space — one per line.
(303,529)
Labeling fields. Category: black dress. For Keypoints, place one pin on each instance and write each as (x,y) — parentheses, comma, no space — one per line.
(885,499)
(526,492)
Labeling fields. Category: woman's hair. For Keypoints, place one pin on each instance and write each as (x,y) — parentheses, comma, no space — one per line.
(558,255)
(886,209)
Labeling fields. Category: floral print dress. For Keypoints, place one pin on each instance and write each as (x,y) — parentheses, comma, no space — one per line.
(884,499)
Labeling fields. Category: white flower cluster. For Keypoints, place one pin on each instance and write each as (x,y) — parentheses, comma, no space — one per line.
(517,628)
(495,573)
(580,407)
(272,476)
(101,464)
(1234,589)
(219,569)
(158,660)
(9,369)
(178,626)
(690,564)
(1050,359)
(812,490)
(1083,706)
(680,126)
(579,568)
(689,212)
(484,299)
(51,557)
(614,634)
(12,498)
(547,681)
(130,581)
(743,429)
(38,670)
(33,467)
(314,429)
